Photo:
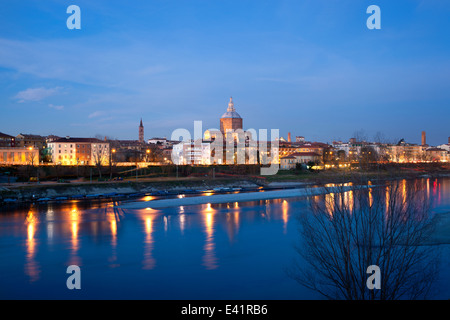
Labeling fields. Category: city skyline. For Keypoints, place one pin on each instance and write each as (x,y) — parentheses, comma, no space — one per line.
(309,68)
(237,157)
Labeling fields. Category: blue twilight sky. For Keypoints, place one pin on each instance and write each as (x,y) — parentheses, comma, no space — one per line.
(310,67)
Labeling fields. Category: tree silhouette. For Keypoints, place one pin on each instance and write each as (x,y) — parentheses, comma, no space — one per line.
(353,227)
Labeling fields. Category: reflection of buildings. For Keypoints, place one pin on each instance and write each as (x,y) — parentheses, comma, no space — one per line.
(112,218)
(75,220)
(149,261)
(31,266)
(232,218)
(285,214)
(209,258)
(81,225)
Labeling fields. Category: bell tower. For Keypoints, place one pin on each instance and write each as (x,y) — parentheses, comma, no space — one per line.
(141,132)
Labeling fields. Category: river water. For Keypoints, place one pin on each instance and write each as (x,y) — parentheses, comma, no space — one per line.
(212,251)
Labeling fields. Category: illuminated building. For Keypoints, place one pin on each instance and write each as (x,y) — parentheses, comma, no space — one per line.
(194,152)
(230,120)
(30,140)
(79,151)
(291,161)
(19,156)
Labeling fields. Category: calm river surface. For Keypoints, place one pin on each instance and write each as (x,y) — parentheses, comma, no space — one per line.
(220,251)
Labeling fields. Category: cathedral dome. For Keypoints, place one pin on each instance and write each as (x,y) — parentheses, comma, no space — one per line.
(231,112)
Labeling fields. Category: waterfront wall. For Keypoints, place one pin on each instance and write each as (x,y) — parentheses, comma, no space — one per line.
(29,192)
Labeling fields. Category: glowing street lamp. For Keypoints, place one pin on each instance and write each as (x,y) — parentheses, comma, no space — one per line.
(113,152)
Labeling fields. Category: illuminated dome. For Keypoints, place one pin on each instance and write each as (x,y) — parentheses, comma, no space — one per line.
(231,112)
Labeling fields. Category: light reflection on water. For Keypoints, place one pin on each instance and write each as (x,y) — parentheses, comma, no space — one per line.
(31,266)
(204,248)
(148,260)
(209,259)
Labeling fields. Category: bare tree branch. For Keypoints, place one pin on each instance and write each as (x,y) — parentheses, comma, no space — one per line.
(352,227)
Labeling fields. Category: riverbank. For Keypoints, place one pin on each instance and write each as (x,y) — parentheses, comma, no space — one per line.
(25,192)
(342,176)
(30,192)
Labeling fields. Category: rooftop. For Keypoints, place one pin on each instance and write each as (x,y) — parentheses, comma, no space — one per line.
(75,140)
(231,111)
(305,154)
(4,135)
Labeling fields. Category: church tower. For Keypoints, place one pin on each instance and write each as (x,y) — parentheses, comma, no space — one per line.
(141,132)
(230,120)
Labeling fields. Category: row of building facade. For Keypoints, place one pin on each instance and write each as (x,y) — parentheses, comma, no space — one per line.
(247,149)
(229,145)
(30,149)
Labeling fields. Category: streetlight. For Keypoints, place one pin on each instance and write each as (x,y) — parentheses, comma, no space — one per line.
(113,151)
